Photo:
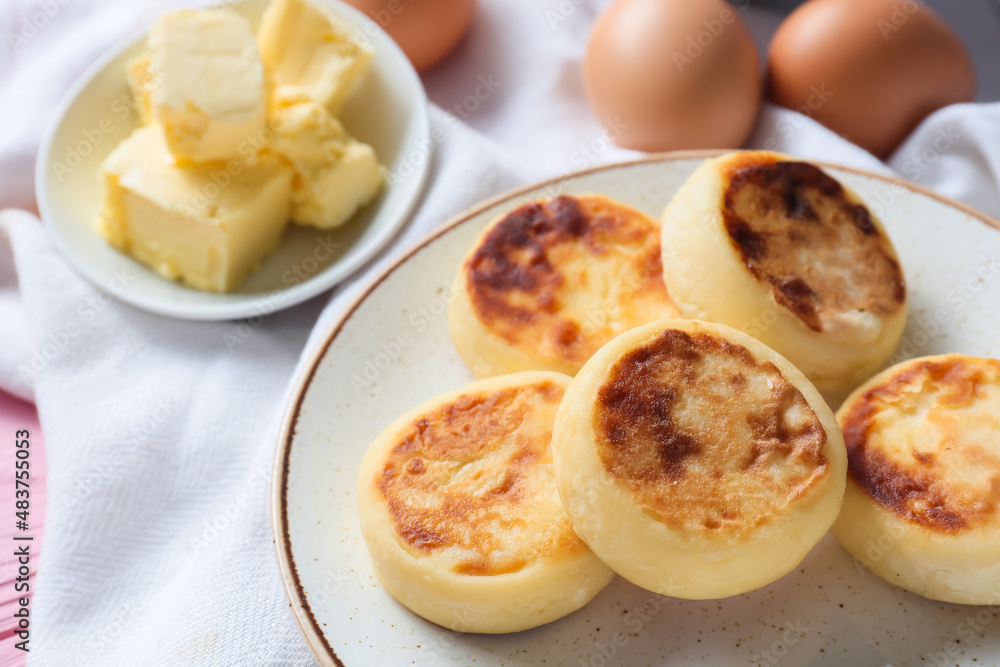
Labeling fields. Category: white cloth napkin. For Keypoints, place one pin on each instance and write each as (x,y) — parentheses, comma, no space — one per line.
(156,430)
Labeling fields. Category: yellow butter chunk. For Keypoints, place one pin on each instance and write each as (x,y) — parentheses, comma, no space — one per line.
(335,174)
(141,81)
(205,225)
(307,56)
(210,96)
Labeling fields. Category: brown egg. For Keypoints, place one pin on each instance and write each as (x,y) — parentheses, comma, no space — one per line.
(869,70)
(426,30)
(673,74)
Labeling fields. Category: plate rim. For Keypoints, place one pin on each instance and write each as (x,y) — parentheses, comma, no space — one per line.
(231,310)
(294,591)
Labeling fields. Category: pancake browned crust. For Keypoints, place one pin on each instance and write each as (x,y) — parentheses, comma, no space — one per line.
(923,440)
(675,428)
(461,515)
(696,461)
(461,477)
(550,282)
(818,251)
(779,249)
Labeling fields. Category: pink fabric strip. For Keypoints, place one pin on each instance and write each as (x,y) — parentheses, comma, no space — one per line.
(15,415)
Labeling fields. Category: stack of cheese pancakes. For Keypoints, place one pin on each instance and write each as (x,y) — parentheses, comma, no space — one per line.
(654,402)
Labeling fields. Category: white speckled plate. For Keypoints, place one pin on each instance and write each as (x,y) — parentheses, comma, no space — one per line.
(392,351)
(388,111)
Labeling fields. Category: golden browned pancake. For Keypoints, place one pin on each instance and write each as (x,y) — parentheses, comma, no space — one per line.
(461,515)
(695,461)
(923,441)
(781,250)
(682,418)
(820,253)
(549,283)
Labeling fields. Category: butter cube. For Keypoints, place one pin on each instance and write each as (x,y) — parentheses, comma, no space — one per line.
(205,225)
(307,56)
(141,80)
(335,174)
(210,97)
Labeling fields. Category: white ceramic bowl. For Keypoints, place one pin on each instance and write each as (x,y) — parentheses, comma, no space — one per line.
(388,111)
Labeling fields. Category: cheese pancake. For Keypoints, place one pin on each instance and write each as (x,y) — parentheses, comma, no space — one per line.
(922,508)
(783,251)
(460,512)
(546,285)
(696,461)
